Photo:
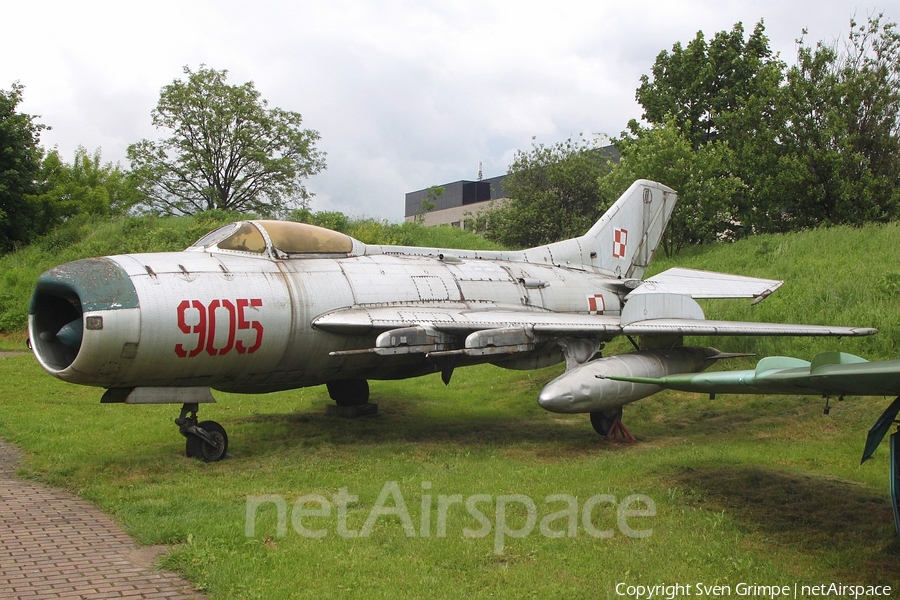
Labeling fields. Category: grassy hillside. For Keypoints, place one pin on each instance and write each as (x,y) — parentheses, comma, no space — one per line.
(837,276)
(81,238)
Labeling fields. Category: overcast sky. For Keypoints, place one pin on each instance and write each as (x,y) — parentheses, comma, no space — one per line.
(405,94)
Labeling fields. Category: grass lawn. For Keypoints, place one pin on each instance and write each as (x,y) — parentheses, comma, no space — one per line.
(759,490)
(13,343)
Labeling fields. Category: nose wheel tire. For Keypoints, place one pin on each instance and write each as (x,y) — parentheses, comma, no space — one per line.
(208,451)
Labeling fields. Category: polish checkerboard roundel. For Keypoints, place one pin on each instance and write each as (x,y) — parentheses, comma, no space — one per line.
(620,239)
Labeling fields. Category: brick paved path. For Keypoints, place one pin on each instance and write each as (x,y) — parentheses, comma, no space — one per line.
(55,545)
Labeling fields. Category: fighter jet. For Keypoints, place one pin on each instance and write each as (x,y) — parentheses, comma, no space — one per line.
(258,306)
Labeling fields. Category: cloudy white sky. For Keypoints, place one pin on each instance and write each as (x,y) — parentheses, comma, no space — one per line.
(405,93)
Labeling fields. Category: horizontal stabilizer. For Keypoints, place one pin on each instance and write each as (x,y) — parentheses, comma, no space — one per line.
(707,284)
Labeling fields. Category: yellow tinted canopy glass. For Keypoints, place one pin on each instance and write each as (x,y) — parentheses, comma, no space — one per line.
(301,238)
(246,239)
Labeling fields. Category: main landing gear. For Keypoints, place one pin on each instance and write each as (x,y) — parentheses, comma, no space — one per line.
(349,392)
(608,423)
(206,440)
(351,399)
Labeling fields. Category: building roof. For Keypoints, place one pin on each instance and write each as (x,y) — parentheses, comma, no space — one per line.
(458,193)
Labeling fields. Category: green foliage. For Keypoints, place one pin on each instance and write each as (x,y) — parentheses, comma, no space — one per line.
(378,232)
(337,221)
(813,144)
(839,134)
(68,234)
(721,99)
(697,84)
(20,158)
(225,150)
(85,187)
(373,231)
(706,189)
(553,195)
(445,236)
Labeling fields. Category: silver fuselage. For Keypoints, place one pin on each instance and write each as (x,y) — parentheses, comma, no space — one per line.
(247,323)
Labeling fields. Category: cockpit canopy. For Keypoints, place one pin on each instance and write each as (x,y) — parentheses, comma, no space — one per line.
(279,239)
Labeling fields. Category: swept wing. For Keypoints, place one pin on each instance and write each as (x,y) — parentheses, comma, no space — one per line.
(464,328)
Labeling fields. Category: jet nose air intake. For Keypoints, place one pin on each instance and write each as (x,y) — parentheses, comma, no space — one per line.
(61,300)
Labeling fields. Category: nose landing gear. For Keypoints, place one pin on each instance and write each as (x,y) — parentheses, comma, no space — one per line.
(205,440)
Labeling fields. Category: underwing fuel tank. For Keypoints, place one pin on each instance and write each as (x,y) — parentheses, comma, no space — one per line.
(586,389)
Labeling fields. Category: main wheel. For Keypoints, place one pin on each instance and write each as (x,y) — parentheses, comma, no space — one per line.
(199,448)
(602,420)
(349,392)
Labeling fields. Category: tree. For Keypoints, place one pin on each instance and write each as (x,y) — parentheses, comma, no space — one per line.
(830,156)
(553,195)
(84,187)
(813,144)
(845,136)
(20,157)
(706,189)
(870,73)
(225,150)
(698,84)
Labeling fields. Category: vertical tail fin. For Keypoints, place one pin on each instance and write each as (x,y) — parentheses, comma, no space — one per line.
(622,242)
(629,232)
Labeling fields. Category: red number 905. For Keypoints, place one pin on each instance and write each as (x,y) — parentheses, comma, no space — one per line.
(205,327)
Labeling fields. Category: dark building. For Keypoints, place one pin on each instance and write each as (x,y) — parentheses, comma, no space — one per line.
(458,198)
